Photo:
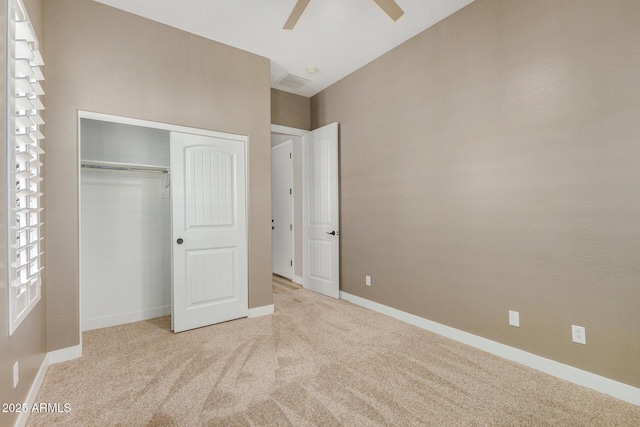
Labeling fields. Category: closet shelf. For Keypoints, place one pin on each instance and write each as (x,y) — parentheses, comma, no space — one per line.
(96,164)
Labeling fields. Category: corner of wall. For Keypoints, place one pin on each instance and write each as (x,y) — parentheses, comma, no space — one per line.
(288,109)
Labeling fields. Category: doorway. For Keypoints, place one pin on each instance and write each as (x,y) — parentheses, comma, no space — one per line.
(316,225)
(282,209)
(291,247)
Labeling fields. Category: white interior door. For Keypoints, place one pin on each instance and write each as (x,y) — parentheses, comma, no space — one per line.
(320,211)
(210,277)
(282,208)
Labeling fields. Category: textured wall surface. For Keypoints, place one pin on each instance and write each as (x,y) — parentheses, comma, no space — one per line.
(290,110)
(491,164)
(104,60)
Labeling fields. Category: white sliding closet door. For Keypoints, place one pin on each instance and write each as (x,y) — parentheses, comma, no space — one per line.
(210,277)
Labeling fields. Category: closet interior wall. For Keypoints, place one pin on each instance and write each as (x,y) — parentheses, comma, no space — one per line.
(125,226)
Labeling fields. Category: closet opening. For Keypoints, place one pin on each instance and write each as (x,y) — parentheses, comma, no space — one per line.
(125,212)
(163,223)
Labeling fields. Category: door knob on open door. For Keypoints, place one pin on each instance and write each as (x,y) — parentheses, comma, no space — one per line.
(179,241)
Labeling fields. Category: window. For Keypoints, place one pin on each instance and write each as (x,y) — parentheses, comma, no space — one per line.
(24,157)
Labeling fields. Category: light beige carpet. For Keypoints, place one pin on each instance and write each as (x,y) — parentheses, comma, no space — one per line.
(316,361)
(282,284)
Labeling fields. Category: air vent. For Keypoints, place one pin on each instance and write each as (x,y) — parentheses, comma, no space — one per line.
(291,81)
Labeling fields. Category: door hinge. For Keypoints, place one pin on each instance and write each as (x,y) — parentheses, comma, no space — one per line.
(291,263)
(291,227)
(290,156)
(291,191)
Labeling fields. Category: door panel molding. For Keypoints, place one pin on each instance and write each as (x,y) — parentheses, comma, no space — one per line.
(321,211)
(209,217)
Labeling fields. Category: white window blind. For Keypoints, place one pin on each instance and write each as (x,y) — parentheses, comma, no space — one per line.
(25,164)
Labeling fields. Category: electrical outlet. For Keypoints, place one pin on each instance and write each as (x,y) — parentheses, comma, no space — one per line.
(367,280)
(16,374)
(578,334)
(514,318)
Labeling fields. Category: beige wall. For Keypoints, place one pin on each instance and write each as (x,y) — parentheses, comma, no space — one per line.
(492,163)
(105,60)
(28,343)
(290,110)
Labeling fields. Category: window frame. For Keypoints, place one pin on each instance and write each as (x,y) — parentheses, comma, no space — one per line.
(24,165)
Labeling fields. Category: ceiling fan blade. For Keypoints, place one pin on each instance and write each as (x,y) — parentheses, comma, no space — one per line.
(391,8)
(296,13)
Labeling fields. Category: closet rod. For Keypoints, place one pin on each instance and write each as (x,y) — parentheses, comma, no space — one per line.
(124,167)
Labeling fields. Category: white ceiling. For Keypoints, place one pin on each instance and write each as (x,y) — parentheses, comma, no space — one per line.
(336,36)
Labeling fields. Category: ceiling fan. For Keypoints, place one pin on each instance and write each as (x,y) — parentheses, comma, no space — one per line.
(390,7)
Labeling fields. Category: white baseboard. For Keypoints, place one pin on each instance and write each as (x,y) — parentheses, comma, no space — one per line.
(120,319)
(560,370)
(21,421)
(298,279)
(50,358)
(261,311)
(64,354)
